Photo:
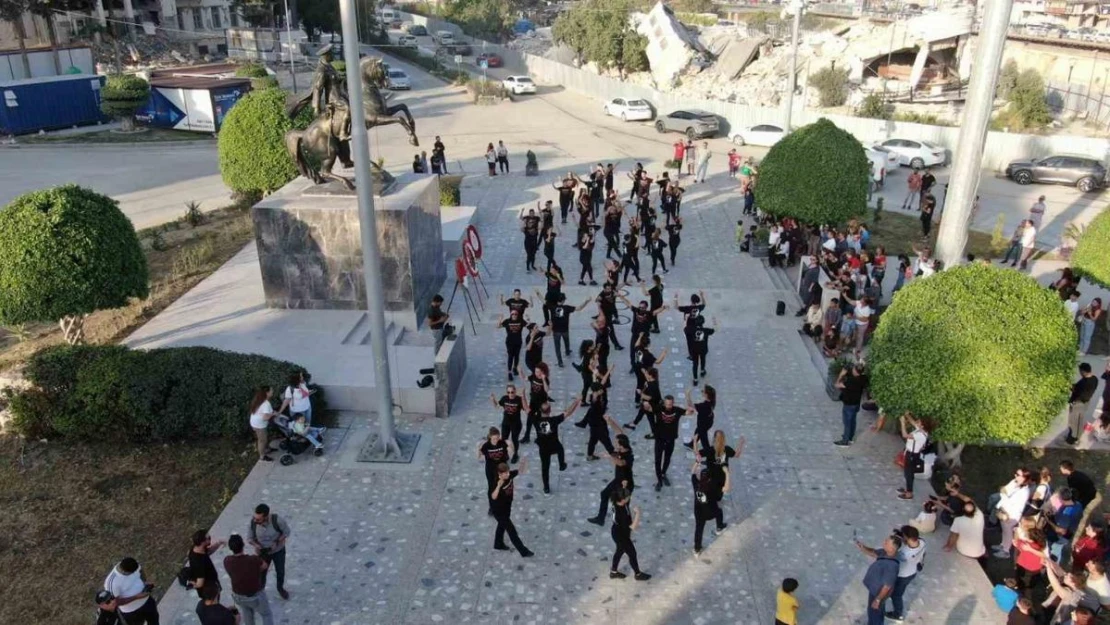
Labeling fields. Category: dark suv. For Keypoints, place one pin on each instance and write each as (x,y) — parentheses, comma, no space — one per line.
(1086,173)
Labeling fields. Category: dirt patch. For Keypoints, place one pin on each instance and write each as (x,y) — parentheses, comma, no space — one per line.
(179,256)
(898,233)
(149,135)
(70,511)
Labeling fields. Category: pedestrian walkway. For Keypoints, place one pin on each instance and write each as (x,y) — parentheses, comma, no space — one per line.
(380,545)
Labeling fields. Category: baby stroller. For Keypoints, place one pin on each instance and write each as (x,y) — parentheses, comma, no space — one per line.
(296,438)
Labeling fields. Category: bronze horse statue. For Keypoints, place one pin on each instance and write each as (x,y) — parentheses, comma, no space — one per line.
(328,138)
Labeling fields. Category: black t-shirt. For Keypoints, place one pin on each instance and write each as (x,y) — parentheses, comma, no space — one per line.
(518,304)
(641,318)
(537,390)
(595,416)
(547,428)
(566,195)
(699,339)
(645,359)
(674,232)
(513,330)
(1106,387)
(613,222)
(927,181)
(623,473)
(511,405)
(703,496)
(548,217)
(495,454)
(608,301)
(622,519)
(657,246)
(531,225)
(650,392)
(215,614)
(655,293)
(691,312)
(104,617)
(504,501)
(436,318)
(560,318)
(200,566)
(537,341)
(705,415)
(852,393)
(667,422)
(1083,486)
(717,463)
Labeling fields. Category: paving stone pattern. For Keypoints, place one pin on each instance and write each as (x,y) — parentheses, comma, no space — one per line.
(392,546)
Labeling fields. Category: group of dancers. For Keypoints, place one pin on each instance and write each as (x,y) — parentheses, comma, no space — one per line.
(531,408)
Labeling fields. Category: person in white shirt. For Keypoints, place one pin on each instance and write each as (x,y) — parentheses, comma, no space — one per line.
(966,536)
(1007,505)
(916,433)
(297,397)
(262,412)
(1097,582)
(703,162)
(1028,239)
(502,157)
(774,236)
(911,559)
(128,584)
(1036,212)
(1072,304)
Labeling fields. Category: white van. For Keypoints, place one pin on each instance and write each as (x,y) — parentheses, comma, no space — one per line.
(388,15)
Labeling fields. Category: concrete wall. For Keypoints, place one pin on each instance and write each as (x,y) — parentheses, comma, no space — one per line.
(450,368)
(42,63)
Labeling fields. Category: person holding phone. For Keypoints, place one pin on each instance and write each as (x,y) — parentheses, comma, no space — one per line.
(127,583)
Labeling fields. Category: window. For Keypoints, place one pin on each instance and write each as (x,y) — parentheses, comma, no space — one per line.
(202,50)
(180,21)
(235,20)
(618,102)
(198,20)
(911,144)
(216,18)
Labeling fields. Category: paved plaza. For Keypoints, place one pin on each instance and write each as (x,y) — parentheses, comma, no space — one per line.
(376,545)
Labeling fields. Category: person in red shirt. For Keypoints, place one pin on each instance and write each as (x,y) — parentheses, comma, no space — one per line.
(1090,546)
(733,163)
(1029,564)
(679,154)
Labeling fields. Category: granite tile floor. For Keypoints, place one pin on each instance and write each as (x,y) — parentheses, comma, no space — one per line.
(378,545)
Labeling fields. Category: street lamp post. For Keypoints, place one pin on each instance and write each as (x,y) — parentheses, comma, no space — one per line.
(289,42)
(798,6)
(967,162)
(371,260)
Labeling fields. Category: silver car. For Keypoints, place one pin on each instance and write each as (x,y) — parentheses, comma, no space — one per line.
(694,123)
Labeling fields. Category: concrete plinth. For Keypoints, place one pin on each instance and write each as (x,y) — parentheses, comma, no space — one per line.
(310,253)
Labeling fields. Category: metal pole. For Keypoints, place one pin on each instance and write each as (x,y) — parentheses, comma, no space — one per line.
(793,80)
(289,42)
(371,261)
(967,162)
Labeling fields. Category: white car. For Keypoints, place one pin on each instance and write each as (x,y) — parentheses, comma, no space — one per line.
(397,79)
(519,84)
(628,110)
(406,41)
(443,37)
(764,135)
(916,154)
(887,157)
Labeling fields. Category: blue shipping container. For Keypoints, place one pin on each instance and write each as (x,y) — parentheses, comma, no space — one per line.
(50,102)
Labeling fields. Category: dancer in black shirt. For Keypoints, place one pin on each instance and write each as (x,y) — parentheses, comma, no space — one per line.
(547,439)
(502,501)
(623,460)
(514,329)
(512,405)
(624,523)
(494,450)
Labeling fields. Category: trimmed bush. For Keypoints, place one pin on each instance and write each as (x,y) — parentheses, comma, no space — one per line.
(1091,258)
(817,174)
(987,353)
(66,252)
(112,393)
(252,70)
(449,194)
(121,96)
(831,84)
(252,151)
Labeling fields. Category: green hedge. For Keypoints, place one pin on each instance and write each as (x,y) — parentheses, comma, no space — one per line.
(112,393)
(67,251)
(253,158)
(252,70)
(123,94)
(1091,258)
(987,353)
(817,174)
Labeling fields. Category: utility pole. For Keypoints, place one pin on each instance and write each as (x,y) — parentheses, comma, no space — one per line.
(967,162)
(371,259)
(797,5)
(289,42)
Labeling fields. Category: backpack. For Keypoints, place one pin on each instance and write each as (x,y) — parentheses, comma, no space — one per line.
(185,575)
(273,520)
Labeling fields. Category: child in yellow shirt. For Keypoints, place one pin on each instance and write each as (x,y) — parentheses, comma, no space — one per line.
(786,606)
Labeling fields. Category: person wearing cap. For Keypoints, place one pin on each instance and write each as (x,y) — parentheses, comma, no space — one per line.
(106,612)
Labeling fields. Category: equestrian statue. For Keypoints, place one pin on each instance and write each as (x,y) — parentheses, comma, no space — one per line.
(328,138)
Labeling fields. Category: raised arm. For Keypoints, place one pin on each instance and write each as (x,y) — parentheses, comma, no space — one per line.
(500,320)
(573,406)
(522,468)
(493,400)
(658,311)
(586,303)
(613,425)
(662,356)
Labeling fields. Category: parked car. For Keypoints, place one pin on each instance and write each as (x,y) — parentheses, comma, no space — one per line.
(460,48)
(519,84)
(444,37)
(916,154)
(1086,173)
(417,30)
(488,59)
(396,23)
(761,134)
(397,79)
(629,110)
(889,159)
(693,123)
(407,41)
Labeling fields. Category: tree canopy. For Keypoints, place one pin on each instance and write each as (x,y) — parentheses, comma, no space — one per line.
(987,353)
(66,252)
(1091,258)
(253,158)
(599,31)
(817,174)
(485,19)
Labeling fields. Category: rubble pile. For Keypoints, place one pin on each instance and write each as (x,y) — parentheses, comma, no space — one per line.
(143,51)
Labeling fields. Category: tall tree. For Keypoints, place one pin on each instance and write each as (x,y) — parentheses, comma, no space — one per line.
(599,31)
(318,16)
(256,12)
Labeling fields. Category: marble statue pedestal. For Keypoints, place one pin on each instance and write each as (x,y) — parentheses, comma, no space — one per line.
(309,248)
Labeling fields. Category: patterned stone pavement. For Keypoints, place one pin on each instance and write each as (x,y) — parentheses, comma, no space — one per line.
(375,545)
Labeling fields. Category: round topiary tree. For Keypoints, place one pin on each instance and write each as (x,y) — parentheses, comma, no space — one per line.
(988,354)
(121,96)
(253,158)
(1091,258)
(260,78)
(817,174)
(64,253)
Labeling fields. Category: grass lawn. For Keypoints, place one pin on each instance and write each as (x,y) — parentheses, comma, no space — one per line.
(112,136)
(186,255)
(898,233)
(986,469)
(72,510)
